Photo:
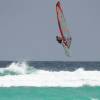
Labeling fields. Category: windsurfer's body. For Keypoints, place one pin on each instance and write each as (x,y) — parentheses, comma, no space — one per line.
(65,43)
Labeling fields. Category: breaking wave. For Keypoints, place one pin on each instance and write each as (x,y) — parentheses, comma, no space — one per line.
(21,74)
(17,69)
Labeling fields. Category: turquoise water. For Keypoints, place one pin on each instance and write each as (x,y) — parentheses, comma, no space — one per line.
(49,93)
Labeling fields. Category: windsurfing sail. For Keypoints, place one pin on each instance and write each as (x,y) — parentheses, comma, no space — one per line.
(63,28)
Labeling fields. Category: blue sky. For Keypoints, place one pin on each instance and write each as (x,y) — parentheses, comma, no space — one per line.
(28,29)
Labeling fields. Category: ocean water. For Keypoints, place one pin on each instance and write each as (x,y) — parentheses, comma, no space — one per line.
(49,80)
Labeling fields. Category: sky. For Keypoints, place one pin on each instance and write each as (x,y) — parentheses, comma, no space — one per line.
(28,30)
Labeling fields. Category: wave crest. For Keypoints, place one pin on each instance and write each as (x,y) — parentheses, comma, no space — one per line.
(17,69)
(25,75)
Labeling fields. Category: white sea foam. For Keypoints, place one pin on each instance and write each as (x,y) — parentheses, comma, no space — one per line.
(94,99)
(17,68)
(42,78)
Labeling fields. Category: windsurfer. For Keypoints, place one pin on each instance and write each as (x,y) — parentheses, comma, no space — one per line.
(65,43)
(60,40)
